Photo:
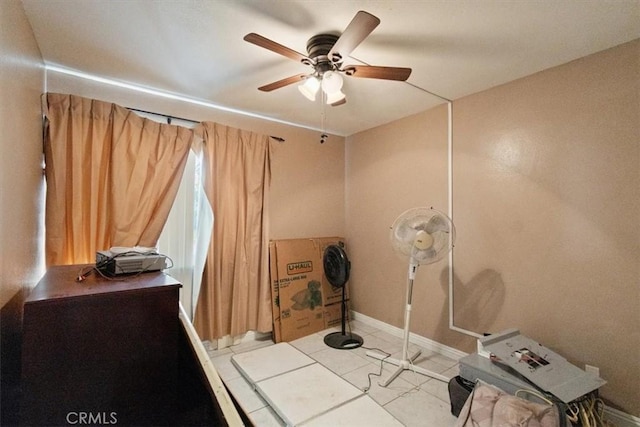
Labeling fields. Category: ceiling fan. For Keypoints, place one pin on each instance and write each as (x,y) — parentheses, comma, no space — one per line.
(325,53)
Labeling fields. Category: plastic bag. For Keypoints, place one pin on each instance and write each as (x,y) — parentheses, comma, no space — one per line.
(488,406)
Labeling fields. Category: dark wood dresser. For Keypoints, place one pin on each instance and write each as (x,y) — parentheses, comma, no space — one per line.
(100,351)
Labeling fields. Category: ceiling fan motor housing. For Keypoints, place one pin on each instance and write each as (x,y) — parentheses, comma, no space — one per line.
(318,48)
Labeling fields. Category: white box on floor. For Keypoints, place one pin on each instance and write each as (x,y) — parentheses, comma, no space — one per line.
(267,362)
(302,392)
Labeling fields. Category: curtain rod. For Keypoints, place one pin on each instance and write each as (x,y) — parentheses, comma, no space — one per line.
(169,118)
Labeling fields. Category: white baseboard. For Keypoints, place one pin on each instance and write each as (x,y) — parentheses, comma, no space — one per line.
(421,341)
(619,418)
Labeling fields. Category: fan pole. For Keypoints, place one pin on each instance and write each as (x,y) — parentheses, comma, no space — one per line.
(406,363)
(407,313)
(343,340)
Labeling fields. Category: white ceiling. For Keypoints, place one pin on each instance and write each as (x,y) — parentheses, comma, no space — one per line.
(195,48)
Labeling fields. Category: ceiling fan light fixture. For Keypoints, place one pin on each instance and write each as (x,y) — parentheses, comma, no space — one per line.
(332,82)
(309,88)
(335,97)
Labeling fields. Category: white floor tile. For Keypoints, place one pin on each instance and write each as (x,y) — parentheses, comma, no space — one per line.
(439,358)
(339,361)
(420,409)
(307,392)
(372,341)
(310,343)
(245,395)
(362,411)
(382,395)
(452,372)
(425,360)
(396,342)
(225,368)
(266,417)
(437,388)
(270,361)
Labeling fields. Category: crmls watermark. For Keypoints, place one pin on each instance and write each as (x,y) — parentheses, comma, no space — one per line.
(92,418)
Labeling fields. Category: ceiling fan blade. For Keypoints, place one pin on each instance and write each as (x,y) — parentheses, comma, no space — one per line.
(264,42)
(358,29)
(281,83)
(374,72)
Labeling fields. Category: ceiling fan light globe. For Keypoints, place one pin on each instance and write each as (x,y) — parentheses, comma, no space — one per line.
(309,88)
(335,97)
(331,82)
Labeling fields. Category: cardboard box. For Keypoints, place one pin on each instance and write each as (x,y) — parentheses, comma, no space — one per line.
(302,299)
(299,288)
(275,298)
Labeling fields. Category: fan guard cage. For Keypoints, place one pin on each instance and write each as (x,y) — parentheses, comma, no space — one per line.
(336,265)
(437,224)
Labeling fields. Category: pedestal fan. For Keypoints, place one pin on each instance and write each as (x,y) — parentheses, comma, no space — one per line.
(337,268)
(419,236)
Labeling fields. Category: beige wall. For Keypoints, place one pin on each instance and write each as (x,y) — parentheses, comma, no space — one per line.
(546,200)
(390,169)
(21,83)
(21,184)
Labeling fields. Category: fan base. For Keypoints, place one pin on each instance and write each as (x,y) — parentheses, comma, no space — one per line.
(405,365)
(343,341)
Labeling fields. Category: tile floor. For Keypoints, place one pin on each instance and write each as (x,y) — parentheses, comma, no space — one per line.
(413,399)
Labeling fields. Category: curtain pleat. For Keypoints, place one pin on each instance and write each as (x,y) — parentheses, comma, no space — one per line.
(235,291)
(111,177)
(148,163)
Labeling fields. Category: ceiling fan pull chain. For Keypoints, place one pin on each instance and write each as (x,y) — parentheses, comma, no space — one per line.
(324,136)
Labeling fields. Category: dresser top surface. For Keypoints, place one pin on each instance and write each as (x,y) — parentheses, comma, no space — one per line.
(60,282)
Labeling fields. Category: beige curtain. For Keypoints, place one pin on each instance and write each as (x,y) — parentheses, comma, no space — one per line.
(235,292)
(111,177)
